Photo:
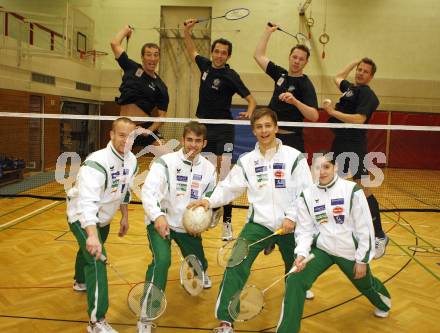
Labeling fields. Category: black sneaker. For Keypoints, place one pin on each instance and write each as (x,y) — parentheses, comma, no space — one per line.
(269,249)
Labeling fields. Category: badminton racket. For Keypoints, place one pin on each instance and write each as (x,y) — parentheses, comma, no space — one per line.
(249,302)
(127,40)
(235,251)
(191,274)
(232,15)
(300,37)
(146,301)
(103,258)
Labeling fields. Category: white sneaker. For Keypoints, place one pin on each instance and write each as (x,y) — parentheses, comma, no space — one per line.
(145,326)
(79,286)
(224,328)
(380,313)
(101,326)
(206,281)
(310,294)
(381,244)
(227,231)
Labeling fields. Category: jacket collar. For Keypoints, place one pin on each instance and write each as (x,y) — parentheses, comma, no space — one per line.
(329,185)
(182,156)
(114,152)
(278,149)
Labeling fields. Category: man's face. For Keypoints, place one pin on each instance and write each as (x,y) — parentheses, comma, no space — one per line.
(265,130)
(150,59)
(220,55)
(297,61)
(119,136)
(363,73)
(193,144)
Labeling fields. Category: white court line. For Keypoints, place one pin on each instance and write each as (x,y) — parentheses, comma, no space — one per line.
(28,215)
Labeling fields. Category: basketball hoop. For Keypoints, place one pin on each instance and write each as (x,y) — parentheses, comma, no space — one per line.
(93,54)
(82,55)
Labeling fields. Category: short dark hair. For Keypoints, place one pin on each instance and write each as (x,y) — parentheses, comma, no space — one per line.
(370,62)
(122,120)
(149,45)
(328,155)
(195,127)
(300,47)
(224,42)
(260,113)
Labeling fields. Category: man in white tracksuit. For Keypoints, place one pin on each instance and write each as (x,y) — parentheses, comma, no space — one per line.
(101,189)
(274,175)
(174,180)
(334,223)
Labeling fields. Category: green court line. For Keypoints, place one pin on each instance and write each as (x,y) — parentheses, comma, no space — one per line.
(415,259)
(410,231)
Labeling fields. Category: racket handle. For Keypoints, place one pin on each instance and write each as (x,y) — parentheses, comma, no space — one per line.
(103,258)
(278,232)
(305,261)
(269,24)
(310,257)
(196,21)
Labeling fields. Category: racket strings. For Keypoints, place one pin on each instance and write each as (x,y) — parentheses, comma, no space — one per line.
(147,301)
(233,252)
(192,275)
(249,302)
(236,14)
(246,304)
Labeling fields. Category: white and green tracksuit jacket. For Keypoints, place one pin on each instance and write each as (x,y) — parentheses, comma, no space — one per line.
(337,218)
(102,185)
(172,183)
(272,185)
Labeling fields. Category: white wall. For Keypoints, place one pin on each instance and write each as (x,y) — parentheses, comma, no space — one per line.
(400,35)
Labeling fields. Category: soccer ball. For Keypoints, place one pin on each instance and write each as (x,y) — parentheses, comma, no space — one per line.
(197,220)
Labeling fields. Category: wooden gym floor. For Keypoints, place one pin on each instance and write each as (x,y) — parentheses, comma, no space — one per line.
(37,253)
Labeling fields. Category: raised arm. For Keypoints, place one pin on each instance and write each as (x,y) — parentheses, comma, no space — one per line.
(344,73)
(117,40)
(189,43)
(260,51)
